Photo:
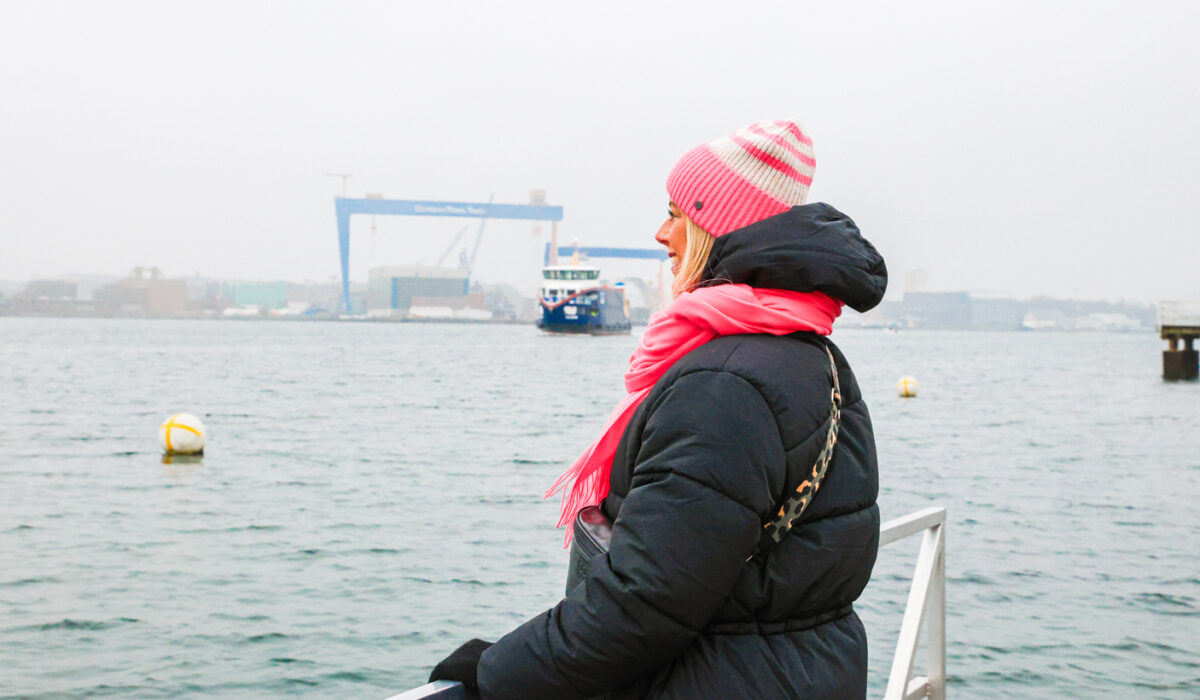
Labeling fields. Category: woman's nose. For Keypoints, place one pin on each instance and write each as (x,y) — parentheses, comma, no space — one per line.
(661,234)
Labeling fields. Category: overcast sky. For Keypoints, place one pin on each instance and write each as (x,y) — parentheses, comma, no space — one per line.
(1010,147)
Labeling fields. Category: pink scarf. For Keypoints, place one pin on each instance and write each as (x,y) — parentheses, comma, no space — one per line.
(693,319)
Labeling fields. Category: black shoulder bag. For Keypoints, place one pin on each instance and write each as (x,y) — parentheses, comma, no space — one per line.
(593,531)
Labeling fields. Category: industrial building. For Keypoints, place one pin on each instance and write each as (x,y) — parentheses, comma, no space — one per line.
(49,298)
(264,295)
(422,291)
(991,313)
(940,310)
(142,293)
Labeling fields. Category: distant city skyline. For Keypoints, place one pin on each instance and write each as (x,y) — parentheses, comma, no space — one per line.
(612,271)
(420,292)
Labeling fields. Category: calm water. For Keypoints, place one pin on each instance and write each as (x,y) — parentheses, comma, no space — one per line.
(370,498)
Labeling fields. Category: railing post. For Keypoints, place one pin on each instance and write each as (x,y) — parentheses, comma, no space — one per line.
(926,608)
(935,624)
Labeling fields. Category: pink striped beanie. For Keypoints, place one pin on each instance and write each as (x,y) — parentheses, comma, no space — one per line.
(754,173)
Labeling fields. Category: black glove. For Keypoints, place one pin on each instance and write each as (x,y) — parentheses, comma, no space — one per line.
(462,664)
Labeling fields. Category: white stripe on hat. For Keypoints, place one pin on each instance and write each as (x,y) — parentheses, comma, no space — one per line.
(770,157)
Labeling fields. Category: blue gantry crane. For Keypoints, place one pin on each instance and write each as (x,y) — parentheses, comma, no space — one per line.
(345,207)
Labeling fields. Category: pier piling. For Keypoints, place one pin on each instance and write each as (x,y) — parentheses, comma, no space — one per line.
(1179,324)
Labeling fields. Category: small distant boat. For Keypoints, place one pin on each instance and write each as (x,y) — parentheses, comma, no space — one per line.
(573,301)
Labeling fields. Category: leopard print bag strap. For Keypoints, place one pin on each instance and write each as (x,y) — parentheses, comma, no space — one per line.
(793,507)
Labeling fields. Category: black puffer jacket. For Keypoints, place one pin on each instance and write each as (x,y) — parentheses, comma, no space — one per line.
(674,610)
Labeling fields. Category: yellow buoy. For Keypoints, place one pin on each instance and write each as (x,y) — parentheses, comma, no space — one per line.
(182,434)
(907,387)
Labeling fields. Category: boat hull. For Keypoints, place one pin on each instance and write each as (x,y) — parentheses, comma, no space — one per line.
(597,311)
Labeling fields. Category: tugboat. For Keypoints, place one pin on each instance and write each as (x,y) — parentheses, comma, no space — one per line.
(573,301)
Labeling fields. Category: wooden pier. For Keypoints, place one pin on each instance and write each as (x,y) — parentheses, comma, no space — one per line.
(1179,325)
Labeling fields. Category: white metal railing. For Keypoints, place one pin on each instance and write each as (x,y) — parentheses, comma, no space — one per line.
(437,690)
(926,603)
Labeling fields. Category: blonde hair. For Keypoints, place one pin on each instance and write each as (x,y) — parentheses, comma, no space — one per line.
(699,245)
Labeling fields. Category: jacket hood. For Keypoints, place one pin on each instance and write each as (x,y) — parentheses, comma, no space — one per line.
(812,247)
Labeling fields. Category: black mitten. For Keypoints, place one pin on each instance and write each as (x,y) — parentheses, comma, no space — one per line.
(462,664)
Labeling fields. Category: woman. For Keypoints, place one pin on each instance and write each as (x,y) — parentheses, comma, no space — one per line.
(728,411)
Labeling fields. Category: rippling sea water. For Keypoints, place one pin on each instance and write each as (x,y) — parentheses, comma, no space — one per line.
(371,497)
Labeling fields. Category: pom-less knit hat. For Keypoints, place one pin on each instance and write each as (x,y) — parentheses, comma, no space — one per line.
(754,173)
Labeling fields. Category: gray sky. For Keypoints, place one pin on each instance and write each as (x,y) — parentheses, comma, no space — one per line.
(1011,147)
